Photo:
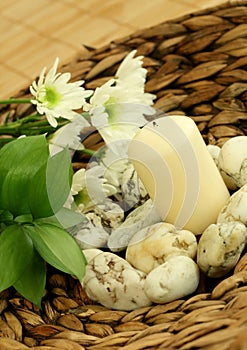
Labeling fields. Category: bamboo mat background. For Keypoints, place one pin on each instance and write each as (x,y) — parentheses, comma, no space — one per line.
(34,32)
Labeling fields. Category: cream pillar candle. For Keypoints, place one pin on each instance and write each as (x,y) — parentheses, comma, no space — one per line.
(172,160)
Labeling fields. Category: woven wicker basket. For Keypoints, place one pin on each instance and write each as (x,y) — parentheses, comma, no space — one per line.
(196,66)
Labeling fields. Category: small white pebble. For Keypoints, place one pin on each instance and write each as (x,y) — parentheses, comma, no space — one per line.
(143,216)
(151,246)
(220,247)
(114,283)
(90,234)
(214,152)
(235,208)
(177,277)
(91,253)
(232,162)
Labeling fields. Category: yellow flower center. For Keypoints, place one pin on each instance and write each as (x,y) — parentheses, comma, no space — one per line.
(111,100)
(50,96)
(113,110)
(82,197)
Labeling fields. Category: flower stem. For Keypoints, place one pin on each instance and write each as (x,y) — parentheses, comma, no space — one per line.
(88,151)
(30,125)
(15,100)
(14,128)
(9,130)
(28,118)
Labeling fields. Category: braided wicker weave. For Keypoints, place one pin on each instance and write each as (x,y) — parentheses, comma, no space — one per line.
(196,66)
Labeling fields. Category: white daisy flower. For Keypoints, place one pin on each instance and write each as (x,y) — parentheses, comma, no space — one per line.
(119,122)
(78,182)
(131,76)
(126,87)
(90,187)
(118,107)
(56,97)
(120,173)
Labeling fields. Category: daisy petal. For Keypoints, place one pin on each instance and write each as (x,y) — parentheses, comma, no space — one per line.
(55,97)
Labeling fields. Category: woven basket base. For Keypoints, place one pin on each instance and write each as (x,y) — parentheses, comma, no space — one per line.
(69,320)
(196,66)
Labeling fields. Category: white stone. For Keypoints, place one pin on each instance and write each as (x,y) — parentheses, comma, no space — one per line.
(233,162)
(90,235)
(214,152)
(110,214)
(151,246)
(235,208)
(133,191)
(220,247)
(112,282)
(91,253)
(177,277)
(144,215)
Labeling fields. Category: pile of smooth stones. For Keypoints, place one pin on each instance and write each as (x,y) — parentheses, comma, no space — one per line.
(136,260)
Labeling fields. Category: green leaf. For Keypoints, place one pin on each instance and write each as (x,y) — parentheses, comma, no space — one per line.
(64,218)
(32,282)
(59,179)
(16,250)
(58,248)
(22,219)
(50,187)
(5,216)
(69,218)
(32,182)
(37,197)
(20,160)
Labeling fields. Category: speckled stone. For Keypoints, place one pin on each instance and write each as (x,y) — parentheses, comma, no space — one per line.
(143,216)
(232,162)
(220,247)
(151,246)
(235,208)
(90,235)
(114,283)
(177,277)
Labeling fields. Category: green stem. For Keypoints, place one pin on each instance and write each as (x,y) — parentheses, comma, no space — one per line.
(28,118)
(25,126)
(37,131)
(9,129)
(88,151)
(15,100)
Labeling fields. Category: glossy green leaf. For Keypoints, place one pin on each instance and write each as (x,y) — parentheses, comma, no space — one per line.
(31,284)
(5,216)
(16,250)
(37,197)
(69,218)
(59,179)
(22,219)
(30,180)
(58,248)
(50,186)
(20,160)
